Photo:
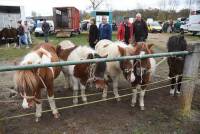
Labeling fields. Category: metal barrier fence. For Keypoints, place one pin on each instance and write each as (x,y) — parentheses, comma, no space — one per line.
(66,63)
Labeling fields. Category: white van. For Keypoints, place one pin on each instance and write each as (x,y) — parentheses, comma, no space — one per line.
(194,22)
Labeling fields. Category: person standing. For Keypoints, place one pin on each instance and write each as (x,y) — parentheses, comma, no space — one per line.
(93,33)
(125,31)
(21,35)
(46,29)
(105,31)
(140,30)
(27,32)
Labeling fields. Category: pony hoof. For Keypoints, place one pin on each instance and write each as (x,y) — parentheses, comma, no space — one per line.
(142,108)
(133,105)
(56,116)
(37,119)
(118,99)
(104,98)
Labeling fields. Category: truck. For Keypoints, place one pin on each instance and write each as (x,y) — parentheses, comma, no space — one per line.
(194,22)
(66,21)
(9,15)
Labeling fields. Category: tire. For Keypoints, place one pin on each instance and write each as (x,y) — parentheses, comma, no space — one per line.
(36,34)
(182,31)
(194,33)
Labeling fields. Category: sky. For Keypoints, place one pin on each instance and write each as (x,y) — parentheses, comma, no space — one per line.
(44,7)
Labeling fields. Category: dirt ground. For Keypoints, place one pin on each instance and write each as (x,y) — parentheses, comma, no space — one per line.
(109,117)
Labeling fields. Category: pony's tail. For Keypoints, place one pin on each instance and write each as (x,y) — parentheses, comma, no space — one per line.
(26,80)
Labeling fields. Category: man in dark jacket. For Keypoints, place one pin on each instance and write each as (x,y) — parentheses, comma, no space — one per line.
(45,29)
(140,30)
(93,33)
(105,31)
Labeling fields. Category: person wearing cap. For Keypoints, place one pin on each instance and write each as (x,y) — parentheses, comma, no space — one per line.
(105,31)
(125,31)
(140,30)
(93,36)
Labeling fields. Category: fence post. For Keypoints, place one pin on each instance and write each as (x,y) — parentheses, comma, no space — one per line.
(190,70)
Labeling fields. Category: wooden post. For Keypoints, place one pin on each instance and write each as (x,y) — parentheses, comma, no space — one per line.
(190,70)
(2,126)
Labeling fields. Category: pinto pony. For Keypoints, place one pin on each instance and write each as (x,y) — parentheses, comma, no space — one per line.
(81,75)
(143,71)
(176,63)
(116,68)
(29,83)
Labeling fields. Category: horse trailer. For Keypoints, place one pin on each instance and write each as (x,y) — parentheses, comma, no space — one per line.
(66,21)
(9,15)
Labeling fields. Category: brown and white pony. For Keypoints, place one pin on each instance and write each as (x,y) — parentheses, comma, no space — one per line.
(176,63)
(82,74)
(29,83)
(143,70)
(115,69)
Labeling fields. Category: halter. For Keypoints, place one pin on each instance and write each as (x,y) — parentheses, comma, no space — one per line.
(140,71)
(92,77)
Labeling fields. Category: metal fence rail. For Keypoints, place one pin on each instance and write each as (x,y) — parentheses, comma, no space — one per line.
(66,63)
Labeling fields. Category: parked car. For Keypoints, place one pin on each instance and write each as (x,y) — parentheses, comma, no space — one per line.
(154,27)
(38,29)
(194,22)
(184,26)
(84,25)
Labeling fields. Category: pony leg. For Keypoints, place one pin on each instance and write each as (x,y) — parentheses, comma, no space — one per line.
(8,45)
(38,113)
(105,92)
(172,90)
(134,97)
(115,89)
(141,100)
(179,85)
(53,106)
(84,98)
(67,79)
(75,92)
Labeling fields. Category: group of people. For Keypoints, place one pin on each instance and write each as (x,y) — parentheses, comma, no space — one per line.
(127,32)
(24,35)
(103,32)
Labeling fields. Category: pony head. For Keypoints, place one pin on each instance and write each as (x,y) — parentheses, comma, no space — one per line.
(127,65)
(142,66)
(97,72)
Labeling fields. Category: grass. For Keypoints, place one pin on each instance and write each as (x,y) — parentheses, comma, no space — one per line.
(13,53)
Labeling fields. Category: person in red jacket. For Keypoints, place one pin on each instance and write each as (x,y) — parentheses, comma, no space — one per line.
(125,31)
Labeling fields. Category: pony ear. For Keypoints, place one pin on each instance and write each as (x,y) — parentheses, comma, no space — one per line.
(150,46)
(121,50)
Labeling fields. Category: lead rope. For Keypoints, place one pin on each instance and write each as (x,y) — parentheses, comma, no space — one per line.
(41,79)
(140,71)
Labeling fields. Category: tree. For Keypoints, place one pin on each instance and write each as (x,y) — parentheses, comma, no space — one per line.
(96,3)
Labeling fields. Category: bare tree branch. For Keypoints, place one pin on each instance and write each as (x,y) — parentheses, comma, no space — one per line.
(96,3)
